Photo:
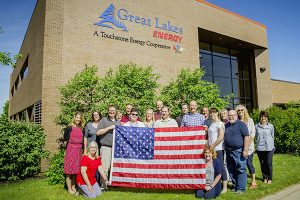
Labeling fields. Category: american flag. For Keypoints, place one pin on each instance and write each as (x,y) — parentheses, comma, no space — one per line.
(166,158)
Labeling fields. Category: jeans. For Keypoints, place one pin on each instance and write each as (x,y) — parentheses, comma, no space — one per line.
(236,164)
(90,194)
(206,194)
(265,159)
(250,164)
(220,156)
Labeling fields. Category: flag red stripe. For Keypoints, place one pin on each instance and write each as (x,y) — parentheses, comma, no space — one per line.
(159,166)
(184,156)
(166,176)
(180,138)
(181,129)
(159,186)
(185,147)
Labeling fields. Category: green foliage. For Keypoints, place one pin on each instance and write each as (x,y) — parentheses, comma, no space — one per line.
(287,127)
(87,92)
(21,149)
(80,94)
(129,84)
(4,115)
(189,86)
(6,59)
(285,173)
(55,173)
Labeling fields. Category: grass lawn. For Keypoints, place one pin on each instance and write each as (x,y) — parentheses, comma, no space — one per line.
(286,172)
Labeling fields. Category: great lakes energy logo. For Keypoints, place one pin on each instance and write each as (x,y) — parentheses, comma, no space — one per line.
(113,18)
(108,17)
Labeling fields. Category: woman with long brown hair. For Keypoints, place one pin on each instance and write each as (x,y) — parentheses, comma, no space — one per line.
(73,137)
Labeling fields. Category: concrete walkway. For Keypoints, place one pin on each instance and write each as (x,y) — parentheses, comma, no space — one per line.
(290,193)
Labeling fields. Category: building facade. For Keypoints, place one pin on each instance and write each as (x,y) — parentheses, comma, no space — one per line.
(65,35)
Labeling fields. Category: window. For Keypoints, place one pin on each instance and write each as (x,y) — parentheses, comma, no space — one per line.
(22,115)
(12,91)
(221,66)
(230,69)
(38,112)
(24,71)
(206,63)
(17,83)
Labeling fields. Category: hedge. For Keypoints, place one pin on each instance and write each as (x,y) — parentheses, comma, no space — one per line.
(22,148)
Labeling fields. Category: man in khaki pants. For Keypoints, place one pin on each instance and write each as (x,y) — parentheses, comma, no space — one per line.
(105,131)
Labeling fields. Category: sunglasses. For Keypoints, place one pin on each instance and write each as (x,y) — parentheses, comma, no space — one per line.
(134,114)
(240,110)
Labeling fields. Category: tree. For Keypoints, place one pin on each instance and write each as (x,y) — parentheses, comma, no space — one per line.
(189,86)
(4,115)
(6,58)
(87,92)
(129,84)
(80,94)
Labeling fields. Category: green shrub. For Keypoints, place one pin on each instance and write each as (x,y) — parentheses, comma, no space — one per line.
(87,91)
(55,173)
(22,148)
(287,128)
(188,86)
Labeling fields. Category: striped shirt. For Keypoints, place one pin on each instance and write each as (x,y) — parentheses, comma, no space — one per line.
(191,119)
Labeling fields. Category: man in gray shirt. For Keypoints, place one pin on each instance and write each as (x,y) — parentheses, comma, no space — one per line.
(184,110)
(105,131)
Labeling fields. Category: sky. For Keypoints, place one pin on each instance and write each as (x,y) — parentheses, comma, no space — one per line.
(282,19)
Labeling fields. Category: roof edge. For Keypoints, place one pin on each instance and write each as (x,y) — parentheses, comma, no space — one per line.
(278,80)
(230,12)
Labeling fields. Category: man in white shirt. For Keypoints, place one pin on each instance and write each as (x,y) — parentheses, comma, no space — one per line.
(165,120)
(134,119)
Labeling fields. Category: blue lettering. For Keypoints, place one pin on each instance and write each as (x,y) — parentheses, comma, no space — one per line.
(149,22)
(137,20)
(124,15)
(157,23)
(180,30)
(121,16)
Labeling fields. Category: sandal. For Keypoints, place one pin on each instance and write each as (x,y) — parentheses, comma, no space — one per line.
(253,186)
(75,193)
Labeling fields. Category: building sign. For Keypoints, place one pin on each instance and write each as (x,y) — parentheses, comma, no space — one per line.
(164,30)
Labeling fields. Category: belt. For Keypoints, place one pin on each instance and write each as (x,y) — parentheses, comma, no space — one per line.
(232,148)
(106,146)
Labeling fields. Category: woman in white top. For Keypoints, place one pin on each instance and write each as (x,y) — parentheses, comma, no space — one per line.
(215,141)
(134,119)
(243,115)
(149,118)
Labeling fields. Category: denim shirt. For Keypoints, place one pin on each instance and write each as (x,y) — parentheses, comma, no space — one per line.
(264,137)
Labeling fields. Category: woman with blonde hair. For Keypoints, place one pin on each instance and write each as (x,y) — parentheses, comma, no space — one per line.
(149,118)
(73,138)
(86,178)
(243,115)
(224,116)
(216,141)
(213,176)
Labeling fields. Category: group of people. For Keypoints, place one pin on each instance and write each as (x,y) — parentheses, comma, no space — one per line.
(230,145)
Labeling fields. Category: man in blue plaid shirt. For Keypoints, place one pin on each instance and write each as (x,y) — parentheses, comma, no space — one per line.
(193,118)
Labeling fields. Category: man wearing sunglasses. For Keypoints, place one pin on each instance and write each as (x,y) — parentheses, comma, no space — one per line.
(134,122)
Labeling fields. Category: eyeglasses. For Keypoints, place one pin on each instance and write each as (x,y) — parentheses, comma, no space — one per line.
(134,114)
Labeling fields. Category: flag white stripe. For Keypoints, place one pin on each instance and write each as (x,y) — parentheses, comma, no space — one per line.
(159,171)
(179,143)
(166,162)
(158,180)
(177,152)
(186,133)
